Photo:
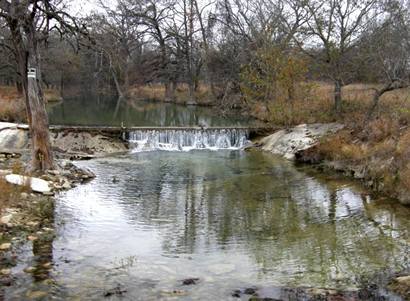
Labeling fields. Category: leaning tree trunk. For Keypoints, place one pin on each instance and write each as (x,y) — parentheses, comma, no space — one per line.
(42,156)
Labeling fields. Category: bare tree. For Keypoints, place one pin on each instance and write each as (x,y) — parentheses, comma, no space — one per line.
(155,17)
(386,48)
(335,26)
(30,22)
(119,37)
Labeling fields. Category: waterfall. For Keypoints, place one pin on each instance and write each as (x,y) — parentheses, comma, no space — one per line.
(187,139)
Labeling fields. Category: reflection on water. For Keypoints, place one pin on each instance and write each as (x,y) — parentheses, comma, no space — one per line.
(230,218)
(98,110)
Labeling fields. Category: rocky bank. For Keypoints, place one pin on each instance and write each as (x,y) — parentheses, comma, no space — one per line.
(70,144)
(289,142)
(302,144)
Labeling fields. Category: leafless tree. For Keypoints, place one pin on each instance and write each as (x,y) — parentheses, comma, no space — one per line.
(386,48)
(335,26)
(30,23)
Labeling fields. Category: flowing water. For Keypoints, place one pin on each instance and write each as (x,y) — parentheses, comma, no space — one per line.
(230,218)
(187,140)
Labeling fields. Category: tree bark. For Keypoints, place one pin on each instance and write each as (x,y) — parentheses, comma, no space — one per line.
(338,95)
(168,91)
(19,87)
(42,156)
(379,93)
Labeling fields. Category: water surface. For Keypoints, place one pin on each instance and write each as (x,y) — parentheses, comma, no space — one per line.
(230,218)
(103,111)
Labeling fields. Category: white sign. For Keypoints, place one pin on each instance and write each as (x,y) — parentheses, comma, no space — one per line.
(32,73)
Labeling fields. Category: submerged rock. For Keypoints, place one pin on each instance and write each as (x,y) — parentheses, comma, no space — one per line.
(190,281)
(174,293)
(249,291)
(116,291)
(256,298)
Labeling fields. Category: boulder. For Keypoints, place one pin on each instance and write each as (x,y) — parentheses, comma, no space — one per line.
(7,125)
(35,184)
(13,138)
(288,142)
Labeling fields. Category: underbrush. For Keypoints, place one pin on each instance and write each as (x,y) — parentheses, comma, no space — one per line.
(203,95)
(376,150)
(379,150)
(12,110)
(12,106)
(10,195)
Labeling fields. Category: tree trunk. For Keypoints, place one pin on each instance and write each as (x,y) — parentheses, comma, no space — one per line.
(126,86)
(27,55)
(375,104)
(168,91)
(192,99)
(338,95)
(19,87)
(42,156)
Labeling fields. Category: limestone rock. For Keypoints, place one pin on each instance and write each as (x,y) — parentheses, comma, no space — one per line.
(5,246)
(5,272)
(288,142)
(36,184)
(5,172)
(13,139)
(6,219)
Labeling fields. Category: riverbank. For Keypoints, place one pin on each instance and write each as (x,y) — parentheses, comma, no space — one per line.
(27,214)
(378,157)
(12,107)
(156,92)
(118,174)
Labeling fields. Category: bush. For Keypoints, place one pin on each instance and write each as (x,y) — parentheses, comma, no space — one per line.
(12,111)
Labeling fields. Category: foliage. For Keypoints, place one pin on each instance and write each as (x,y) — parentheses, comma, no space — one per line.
(275,77)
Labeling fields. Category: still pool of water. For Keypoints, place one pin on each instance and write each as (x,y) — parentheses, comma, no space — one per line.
(103,111)
(230,218)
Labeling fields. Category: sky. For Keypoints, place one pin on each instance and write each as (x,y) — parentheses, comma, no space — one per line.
(83,7)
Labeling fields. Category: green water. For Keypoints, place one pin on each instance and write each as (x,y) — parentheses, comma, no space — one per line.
(230,218)
(103,111)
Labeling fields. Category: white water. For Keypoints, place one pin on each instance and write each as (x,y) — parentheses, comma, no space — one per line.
(186,140)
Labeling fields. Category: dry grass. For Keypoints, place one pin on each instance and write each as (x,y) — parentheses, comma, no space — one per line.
(157,92)
(148,92)
(315,104)
(12,110)
(381,148)
(10,195)
(51,95)
(12,107)
(356,92)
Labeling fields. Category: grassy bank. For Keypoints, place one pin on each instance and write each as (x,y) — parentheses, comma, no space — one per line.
(156,92)
(315,104)
(376,151)
(12,107)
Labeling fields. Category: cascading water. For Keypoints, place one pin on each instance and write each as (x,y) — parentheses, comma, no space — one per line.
(186,140)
